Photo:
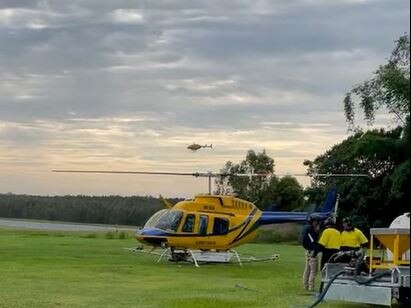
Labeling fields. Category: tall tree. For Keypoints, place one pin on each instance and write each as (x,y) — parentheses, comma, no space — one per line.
(289,194)
(372,201)
(384,155)
(286,193)
(250,188)
(389,88)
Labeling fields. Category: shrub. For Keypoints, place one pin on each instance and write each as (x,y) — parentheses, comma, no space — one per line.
(123,235)
(110,235)
(89,235)
(284,233)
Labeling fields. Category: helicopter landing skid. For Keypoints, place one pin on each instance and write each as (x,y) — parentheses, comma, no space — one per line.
(200,256)
(204,256)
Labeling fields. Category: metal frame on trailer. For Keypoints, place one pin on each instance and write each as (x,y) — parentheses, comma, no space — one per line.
(387,279)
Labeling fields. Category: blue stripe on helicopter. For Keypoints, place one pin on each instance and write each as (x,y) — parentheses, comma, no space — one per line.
(153,232)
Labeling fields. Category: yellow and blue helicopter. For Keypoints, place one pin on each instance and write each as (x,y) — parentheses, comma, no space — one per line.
(208,227)
(217,222)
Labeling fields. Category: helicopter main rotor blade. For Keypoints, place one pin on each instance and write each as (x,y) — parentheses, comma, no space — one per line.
(242,174)
(295,174)
(326,174)
(212,174)
(341,175)
(195,174)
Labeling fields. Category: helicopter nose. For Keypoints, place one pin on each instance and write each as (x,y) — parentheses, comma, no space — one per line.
(151,232)
(153,241)
(153,237)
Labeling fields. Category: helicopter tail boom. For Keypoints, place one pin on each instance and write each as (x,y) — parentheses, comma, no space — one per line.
(270,217)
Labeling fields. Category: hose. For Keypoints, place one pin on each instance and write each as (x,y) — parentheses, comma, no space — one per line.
(245,288)
(360,256)
(376,276)
(325,290)
(334,257)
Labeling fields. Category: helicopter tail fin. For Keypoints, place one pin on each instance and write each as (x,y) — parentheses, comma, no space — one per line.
(166,203)
(330,201)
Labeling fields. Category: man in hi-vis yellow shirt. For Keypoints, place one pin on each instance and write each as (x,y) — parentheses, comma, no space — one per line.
(352,238)
(330,241)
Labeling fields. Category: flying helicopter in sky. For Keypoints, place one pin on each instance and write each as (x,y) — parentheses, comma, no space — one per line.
(195,146)
(208,227)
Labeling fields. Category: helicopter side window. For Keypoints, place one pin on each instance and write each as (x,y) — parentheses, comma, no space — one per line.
(170,220)
(203,225)
(220,226)
(189,223)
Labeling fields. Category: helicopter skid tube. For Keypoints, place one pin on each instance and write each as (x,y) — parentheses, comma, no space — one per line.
(206,257)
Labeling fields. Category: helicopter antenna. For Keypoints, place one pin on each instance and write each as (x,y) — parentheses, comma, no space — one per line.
(336,208)
(209,183)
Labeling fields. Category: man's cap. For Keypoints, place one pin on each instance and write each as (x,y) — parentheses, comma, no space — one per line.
(329,221)
(312,218)
(346,220)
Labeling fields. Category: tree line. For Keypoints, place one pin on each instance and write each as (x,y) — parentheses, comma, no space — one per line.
(133,210)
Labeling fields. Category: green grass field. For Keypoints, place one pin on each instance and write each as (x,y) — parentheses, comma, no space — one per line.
(55,269)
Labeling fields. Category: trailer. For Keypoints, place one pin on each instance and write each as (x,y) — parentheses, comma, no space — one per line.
(386,280)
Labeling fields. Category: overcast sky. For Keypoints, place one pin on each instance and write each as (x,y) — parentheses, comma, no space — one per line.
(128,85)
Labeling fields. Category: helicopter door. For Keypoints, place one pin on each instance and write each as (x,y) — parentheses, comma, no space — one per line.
(189,223)
(202,228)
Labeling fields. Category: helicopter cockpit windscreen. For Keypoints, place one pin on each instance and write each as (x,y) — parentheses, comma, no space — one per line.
(153,220)
(167,220)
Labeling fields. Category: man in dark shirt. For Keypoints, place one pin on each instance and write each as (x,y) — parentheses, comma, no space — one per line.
(309,238)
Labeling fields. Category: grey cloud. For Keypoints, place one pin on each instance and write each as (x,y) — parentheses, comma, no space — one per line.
(18,4)
(194,64)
